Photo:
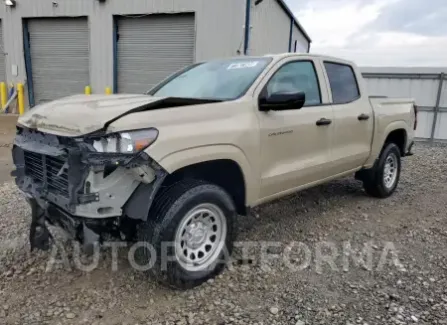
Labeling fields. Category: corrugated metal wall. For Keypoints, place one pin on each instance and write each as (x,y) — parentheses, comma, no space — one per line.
(270,28)
(424,85)
(302,45)
(219,29)
(2,56)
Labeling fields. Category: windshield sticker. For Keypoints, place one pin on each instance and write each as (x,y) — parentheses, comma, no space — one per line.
(243,65)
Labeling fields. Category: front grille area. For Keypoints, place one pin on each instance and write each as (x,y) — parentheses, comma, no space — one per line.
(45,169)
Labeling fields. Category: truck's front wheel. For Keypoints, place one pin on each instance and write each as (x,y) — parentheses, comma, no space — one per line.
(189,235)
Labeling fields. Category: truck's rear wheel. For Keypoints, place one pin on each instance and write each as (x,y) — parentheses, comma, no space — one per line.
(382,180)
(191,230)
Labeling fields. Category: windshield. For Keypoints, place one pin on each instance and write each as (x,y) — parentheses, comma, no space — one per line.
(220,80)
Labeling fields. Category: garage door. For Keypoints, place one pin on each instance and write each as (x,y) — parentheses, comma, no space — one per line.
(57,51)
(2,56)
(151,48)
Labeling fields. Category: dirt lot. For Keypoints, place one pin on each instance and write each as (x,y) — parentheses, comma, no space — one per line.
(408,232)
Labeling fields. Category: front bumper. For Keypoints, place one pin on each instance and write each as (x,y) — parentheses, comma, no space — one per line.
(68,174)
(87,231)
(81,191)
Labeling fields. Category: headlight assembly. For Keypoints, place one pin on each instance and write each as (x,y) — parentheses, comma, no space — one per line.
(126,142)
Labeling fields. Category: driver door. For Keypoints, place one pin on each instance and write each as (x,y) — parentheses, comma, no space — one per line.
(295,144)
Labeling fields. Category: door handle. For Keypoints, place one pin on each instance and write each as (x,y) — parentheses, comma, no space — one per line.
(323,121)
(363,117)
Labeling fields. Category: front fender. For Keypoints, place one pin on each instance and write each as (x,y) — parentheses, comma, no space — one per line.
(191,156)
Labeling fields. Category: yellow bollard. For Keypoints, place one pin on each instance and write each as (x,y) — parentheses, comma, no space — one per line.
(3,94)
(88,90)
(20,99)
(108,91)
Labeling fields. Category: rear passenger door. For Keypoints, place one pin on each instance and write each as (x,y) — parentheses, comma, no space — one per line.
(353,118)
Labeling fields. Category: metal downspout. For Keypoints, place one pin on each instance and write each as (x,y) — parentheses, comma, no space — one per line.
(247,26)
(115,55)
(28,64)
(292,21)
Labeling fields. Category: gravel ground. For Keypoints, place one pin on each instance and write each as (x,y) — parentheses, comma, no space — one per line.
(406,283)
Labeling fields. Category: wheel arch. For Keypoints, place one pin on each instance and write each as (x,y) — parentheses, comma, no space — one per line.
(225,173)
(223,165)
(396,131)
(399,137)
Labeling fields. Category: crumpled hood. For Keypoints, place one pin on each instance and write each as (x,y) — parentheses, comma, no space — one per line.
(82,114)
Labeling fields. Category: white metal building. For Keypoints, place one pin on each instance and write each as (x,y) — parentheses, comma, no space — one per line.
(57,47)
(428,86)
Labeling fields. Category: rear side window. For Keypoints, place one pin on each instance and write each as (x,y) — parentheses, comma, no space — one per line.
(343,83)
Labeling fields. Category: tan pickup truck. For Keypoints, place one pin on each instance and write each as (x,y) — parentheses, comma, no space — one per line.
(173,168)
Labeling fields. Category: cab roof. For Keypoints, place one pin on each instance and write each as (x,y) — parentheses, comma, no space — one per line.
(280,56)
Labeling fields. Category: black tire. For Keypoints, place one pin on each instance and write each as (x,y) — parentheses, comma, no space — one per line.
(171,205)
(373,180)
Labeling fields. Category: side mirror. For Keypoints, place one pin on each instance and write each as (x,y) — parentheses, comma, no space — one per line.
(282,101)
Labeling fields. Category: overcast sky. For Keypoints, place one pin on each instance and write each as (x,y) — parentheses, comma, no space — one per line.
(377,32)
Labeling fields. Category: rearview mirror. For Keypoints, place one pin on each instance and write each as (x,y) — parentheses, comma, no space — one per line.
(282,101)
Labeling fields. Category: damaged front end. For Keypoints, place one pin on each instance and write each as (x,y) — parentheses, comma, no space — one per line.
(88,186)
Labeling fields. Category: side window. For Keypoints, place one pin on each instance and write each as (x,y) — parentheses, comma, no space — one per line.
(344,85)
(295,77)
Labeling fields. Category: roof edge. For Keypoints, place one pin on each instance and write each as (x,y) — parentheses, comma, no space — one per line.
(295,20)
(403,70)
